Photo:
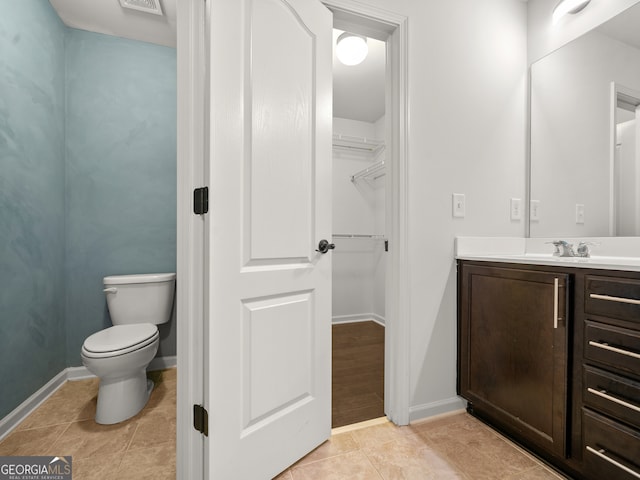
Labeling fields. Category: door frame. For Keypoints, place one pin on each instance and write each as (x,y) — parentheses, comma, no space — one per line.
(393,29)
(627,98)
(191,245)
(190,287)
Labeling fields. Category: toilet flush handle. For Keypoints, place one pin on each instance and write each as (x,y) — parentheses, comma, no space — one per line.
(110,290)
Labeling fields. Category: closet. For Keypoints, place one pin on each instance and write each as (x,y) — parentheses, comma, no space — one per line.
(359,233)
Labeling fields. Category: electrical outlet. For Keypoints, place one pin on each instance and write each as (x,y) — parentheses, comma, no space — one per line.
(516,209)
(579,213)
(459,207)
(534,214)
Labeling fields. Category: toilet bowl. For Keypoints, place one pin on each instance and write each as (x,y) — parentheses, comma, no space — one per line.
(119,355)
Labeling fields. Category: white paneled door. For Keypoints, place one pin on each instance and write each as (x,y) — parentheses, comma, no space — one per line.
(269,290)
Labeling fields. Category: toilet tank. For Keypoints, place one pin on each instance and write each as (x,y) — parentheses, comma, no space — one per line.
(142,298)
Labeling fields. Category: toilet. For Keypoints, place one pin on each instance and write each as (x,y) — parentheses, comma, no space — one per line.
(119,355)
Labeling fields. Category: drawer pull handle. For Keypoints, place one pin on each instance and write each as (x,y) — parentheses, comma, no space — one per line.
(606,346)
(600,453)
(609,298)
(605,395)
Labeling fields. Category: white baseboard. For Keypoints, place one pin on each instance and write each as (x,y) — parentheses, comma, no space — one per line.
(22,411)
(78,373)
(18,414)
(426,410)
(358,317)
(439,416)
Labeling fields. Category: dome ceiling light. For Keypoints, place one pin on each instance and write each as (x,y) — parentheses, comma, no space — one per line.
(567,6)
(351,49)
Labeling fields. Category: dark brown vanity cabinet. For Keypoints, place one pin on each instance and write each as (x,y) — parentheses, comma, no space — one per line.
(551,357)
(512,355)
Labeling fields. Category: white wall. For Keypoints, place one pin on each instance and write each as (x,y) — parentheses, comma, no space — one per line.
(358,278)
(543,37)
(467,118)
(380,256)
(570,130)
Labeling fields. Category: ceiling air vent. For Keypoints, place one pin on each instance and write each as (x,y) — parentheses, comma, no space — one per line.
(149,6)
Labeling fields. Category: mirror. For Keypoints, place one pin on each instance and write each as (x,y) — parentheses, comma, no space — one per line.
(585,134)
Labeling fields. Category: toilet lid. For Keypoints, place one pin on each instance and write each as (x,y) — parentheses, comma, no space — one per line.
(120,337)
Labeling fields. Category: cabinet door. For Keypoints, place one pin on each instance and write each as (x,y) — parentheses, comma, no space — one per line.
(513,350)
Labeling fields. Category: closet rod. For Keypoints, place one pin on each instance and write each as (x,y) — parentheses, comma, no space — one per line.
(357,235)
(360,235)
(369,171)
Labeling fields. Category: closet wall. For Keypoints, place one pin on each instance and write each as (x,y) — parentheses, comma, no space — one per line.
(358,209)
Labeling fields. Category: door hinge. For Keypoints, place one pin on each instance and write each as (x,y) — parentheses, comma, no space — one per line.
(201,419)
(201,200)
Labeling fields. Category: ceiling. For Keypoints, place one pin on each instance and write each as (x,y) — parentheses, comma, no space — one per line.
(358,90)
(624,26)
(108,17)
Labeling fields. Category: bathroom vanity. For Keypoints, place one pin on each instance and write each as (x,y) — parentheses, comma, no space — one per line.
(549,354)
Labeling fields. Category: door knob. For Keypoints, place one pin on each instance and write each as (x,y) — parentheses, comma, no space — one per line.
(324,246)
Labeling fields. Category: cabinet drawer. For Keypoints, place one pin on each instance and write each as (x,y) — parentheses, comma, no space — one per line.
(613,297)
(611,449)
(614,346)
(612,394)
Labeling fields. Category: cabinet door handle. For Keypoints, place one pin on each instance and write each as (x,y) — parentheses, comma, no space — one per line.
(556,298)
(606,346)
(611,398)
(600,453)
(609,298)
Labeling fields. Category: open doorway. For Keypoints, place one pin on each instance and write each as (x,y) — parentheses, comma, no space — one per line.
(359,233)
(626,161)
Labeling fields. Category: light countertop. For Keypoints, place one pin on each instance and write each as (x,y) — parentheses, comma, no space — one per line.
(608,253)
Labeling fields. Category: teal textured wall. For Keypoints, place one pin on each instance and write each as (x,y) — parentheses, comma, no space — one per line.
(121,173)
(32,328)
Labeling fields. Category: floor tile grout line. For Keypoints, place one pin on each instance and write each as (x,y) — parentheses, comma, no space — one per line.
(522,451)
(126,450)
(297,465)
(62,432)
(372,464)
(120,459)
(47,425)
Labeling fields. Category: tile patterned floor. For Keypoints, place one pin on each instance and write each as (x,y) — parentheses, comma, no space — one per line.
(449,447)
(142,447)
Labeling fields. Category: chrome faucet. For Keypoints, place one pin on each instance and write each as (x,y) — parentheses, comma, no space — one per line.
(565,249)
(583,249)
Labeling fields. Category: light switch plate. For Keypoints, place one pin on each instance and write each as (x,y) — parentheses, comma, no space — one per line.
(458,205)
(579,213)
(535,211)
(516,209)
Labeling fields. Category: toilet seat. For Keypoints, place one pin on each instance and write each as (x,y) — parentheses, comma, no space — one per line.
(119,340)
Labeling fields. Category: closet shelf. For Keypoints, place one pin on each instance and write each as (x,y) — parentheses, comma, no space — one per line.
(357,144)
(371,173)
